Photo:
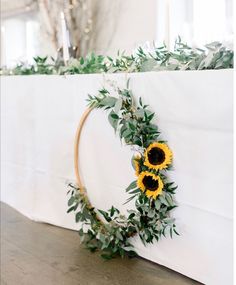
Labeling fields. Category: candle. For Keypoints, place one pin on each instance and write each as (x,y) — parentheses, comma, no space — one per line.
(64,39)
(68,38)
(167,24)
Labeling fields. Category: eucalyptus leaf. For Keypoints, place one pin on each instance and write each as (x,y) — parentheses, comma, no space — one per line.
(113,119)
(118,105)
(131,186)
(108,101)
(119,236)
(139,113)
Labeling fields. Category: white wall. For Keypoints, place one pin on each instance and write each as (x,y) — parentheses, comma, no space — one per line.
(135,24)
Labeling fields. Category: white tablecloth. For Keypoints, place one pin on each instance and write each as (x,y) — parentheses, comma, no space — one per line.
(194,112)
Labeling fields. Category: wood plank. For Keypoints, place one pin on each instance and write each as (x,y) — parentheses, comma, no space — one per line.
(36,253)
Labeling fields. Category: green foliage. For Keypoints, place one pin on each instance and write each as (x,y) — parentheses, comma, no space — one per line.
(40,66)
(214,56)
(90,64)
(112,237)
(132,121)
(151,220)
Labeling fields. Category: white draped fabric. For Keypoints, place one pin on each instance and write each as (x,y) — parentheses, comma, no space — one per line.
(40,115)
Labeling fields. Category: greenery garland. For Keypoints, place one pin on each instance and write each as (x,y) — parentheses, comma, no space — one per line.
(183,57)
(152,191)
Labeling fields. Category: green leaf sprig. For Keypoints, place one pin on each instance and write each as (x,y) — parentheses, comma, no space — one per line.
(183,57)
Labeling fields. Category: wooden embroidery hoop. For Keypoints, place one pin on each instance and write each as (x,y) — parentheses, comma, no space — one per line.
(76,158)
(76,149)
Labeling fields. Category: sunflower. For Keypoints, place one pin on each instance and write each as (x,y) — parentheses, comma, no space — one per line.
(158,156)
(150,183)
(136,163)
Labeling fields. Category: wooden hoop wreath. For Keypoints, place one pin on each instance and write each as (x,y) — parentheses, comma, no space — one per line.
(110,230)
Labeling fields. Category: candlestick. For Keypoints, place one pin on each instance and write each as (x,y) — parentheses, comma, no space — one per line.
(66,56)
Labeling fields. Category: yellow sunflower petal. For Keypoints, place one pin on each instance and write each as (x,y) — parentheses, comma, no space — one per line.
(136,164)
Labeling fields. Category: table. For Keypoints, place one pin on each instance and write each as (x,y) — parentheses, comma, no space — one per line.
(40,115)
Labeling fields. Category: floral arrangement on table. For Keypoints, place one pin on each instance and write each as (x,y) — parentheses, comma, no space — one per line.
(152,190)
(214,56)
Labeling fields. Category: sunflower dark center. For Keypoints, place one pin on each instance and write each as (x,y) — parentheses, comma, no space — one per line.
(156,156)
(150,183)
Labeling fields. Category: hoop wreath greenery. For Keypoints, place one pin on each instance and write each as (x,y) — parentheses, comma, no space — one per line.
(110,231)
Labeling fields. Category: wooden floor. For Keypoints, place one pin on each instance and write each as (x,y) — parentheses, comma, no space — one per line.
(40,254)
